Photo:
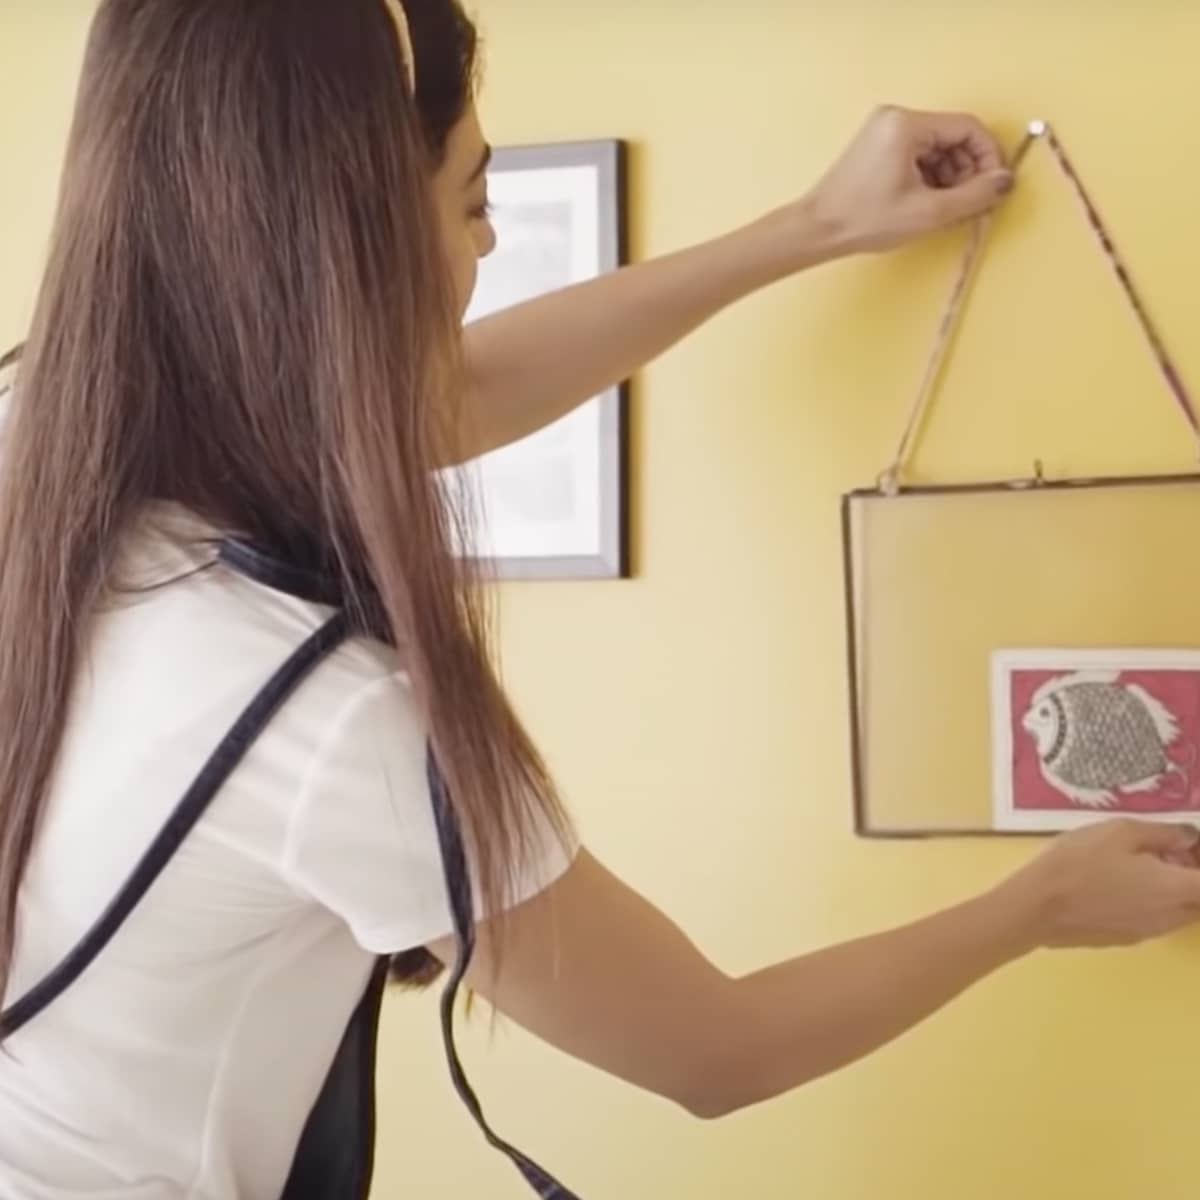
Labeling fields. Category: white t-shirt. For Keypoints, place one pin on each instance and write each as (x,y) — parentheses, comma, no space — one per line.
(185,1061)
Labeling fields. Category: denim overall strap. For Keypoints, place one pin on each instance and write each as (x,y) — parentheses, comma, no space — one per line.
(458,884)
(191,808)
(336,1153)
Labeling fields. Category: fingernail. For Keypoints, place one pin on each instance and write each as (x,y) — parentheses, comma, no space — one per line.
(1005,182)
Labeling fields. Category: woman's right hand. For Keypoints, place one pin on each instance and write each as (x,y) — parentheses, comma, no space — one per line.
(1111,884)
(593,968)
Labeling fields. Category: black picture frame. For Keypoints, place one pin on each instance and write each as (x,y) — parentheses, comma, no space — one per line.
(546,166)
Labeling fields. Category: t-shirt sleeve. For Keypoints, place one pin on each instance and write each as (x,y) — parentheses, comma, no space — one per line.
(362,840)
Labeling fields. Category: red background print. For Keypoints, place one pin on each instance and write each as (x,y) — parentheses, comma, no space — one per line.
(1178,690)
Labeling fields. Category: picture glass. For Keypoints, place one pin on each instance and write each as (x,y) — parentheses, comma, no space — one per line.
(1023,660)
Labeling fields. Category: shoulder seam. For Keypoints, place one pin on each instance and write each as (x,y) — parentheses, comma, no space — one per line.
(349,709)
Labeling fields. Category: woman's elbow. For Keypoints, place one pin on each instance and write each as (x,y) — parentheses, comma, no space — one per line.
(717,1069)
(735,1080)
(714,1090)
(709,1106)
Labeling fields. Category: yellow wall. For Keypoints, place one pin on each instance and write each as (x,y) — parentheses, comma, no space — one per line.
(696,715)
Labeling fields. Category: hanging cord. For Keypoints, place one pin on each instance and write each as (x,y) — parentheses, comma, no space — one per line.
(889,481)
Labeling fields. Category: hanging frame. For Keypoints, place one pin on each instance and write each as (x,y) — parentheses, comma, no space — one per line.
(901,502)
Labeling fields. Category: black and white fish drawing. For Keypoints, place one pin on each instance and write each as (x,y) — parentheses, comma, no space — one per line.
(1098,738)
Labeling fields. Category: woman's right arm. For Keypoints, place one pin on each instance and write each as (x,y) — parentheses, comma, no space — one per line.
(594,969)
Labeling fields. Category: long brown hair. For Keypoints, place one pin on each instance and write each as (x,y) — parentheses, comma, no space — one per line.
(247,311)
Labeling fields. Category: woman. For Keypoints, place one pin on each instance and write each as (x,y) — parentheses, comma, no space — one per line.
(245,366)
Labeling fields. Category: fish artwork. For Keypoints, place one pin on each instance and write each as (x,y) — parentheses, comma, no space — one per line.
(1100,739)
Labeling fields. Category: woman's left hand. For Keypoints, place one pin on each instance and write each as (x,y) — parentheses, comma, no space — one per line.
(907,174)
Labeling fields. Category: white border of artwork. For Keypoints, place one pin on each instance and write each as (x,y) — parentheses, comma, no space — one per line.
(553,505)
(1003,663)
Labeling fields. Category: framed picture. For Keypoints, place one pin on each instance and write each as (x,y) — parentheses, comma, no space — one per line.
(1023,656)
(555,505)
(1080,736)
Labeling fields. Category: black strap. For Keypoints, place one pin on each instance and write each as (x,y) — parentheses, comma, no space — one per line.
(462,908)
(335,1157)
(196,799)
